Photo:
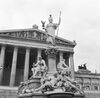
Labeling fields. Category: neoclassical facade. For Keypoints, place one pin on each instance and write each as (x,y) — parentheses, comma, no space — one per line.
(87,80)
(20,48)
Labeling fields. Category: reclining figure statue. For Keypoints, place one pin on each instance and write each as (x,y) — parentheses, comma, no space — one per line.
(58,81)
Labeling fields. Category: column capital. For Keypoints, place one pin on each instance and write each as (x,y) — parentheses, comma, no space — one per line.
(27,49)
(16,47)
(39,48)
(71,53)
(61,52)
(3,46)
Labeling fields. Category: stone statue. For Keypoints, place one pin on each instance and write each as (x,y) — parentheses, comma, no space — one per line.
(47,84)
(58,81)
(63,68)
(43,24)
(83,66)
(40,68)
(50,29)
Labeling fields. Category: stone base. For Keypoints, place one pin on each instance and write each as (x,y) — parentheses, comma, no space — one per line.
(8,92)
(53,95)
(61,95)
(29,85)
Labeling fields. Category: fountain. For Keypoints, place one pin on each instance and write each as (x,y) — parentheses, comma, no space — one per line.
(54,81)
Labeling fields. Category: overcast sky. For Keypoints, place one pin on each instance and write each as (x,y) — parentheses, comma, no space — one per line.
(80,22)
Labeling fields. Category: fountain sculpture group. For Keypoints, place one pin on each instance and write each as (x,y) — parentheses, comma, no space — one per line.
(41,81)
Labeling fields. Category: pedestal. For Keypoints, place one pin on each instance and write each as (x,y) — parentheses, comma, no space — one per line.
(51,53)
(54,95)
(51,64)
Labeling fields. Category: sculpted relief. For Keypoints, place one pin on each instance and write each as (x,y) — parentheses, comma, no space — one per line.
(33,35)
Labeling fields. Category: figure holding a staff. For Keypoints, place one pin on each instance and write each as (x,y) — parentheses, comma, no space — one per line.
(51,27)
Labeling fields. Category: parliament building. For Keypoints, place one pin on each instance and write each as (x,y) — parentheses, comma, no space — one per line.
(87,80)
(20,48)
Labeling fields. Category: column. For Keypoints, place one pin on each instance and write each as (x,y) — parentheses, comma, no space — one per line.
(60,55)
(82,83)
(38,54)
(72,65)
(2,57)
(91,87)
(26,66)
(99,83)
(13,69)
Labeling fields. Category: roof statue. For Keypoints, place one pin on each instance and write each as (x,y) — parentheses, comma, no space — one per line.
(50,28)
(83,69)
(83,66)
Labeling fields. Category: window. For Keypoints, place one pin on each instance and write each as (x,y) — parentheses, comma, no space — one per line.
(95,87)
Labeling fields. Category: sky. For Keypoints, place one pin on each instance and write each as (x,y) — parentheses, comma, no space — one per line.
(80,21)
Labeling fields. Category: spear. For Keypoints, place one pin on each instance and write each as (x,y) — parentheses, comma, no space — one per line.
(59,22)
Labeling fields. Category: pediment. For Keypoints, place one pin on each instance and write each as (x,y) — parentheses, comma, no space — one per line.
(33,34)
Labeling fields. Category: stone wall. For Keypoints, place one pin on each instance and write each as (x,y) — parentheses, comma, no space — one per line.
(92,94)
(8,92)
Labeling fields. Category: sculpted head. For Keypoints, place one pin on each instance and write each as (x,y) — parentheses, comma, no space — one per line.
(40,58)
(50,19)
(62,60)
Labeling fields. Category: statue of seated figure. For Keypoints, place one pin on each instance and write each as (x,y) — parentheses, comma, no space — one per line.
(40,68)
(63,68)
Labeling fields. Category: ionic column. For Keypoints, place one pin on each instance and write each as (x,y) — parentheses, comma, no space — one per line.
(38,54)
(71,59)
(13,69)
(60,55)
(2,57)
(26,66)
